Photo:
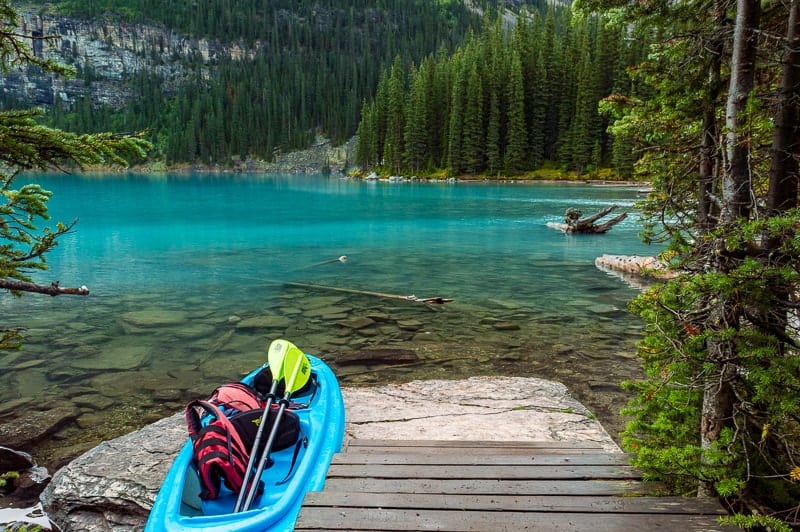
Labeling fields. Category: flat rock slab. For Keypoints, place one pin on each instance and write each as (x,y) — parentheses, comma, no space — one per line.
(155,318)
(478,408)
(113,486)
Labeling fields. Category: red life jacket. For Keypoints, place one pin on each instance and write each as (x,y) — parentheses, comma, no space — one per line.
(222,447)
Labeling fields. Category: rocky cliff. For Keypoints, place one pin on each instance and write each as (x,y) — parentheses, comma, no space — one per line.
(107,56)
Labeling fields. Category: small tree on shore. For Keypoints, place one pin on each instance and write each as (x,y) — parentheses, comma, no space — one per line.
(26,145)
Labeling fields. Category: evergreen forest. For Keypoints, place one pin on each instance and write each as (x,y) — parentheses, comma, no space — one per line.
(313,64)
(507,101)
(428,86)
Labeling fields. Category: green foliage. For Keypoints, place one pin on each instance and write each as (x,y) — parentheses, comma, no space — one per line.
(7,477)
(24,528)
(755,453)
(26,145)
(717,411)
(756,521)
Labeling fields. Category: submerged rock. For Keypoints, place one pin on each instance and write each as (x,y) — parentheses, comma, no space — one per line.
(155,318)
(13,460)
(376,356)
(23,431)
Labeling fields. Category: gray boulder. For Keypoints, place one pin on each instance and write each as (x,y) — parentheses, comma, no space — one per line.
(112,487)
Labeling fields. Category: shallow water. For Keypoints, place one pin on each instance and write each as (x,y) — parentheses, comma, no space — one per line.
(191,277)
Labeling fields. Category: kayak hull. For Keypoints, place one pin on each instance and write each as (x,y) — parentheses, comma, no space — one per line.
(293,471)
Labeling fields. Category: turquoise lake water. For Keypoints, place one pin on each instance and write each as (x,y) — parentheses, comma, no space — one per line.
(192,276)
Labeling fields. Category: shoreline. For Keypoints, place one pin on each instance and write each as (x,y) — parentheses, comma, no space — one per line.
(180,171)
(121,477)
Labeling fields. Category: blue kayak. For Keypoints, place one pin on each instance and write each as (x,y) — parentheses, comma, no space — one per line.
(293,471)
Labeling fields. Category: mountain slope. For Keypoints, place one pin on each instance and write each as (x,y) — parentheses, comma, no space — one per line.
(216,81)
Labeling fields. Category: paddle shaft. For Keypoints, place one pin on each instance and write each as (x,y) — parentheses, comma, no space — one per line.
(264,456)
(271,440)
(251,461)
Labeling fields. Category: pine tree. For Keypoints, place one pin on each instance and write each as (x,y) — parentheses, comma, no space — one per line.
(716,413)
(395,123)
(27,145)
(366,148)
(473,141)
(440,110)
(516,154)
(554,80)
(584,125)
(496,79)
(455,148)
(417,121)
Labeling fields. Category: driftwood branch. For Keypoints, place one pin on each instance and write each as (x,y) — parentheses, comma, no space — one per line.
(415,299)
(53,289)
(575,222)
(603,227)
(573,217)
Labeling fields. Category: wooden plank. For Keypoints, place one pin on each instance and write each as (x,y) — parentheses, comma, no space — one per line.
(498,472)
(494,459)
(461,521)
(584,504)
(490,487)
(358,444)
(477,451)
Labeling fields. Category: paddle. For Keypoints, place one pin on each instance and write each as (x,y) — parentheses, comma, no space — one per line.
(276,356)
(298,370)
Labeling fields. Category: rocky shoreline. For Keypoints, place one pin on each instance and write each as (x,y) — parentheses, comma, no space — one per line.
(112,487)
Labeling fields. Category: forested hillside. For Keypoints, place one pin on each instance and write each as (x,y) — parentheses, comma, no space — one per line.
(483,88)
(507,101)
(293,69)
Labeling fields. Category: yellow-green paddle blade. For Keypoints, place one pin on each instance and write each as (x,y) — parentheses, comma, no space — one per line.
(276,356)
(296,369)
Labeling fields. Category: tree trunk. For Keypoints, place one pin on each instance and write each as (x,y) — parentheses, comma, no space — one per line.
(783,174)
(574,223)
(709,147)
(736,185)
(717,411)
(605,226)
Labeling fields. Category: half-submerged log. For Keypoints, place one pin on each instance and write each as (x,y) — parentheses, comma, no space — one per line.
(574,222)
(429,300)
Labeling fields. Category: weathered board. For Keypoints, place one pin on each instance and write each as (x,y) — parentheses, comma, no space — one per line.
(476,486)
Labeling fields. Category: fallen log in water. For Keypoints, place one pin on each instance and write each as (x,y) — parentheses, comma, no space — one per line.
(53,289)
(642,266)
(430,300)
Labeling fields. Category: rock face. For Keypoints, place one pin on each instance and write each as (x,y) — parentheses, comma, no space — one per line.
(112,487)
(111,51)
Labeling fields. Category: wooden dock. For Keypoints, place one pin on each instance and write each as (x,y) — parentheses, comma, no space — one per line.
(493,486)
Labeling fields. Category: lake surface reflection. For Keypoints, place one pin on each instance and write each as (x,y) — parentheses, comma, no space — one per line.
(193,276)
